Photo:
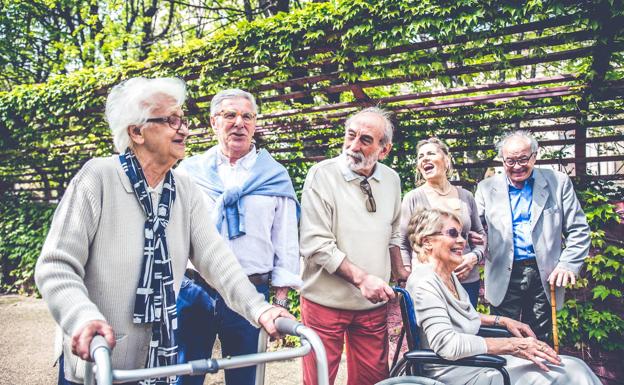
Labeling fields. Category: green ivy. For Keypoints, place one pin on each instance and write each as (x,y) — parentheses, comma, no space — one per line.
(23,229)
(592,318)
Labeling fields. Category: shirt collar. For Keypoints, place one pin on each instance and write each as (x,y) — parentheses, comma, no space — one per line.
(350,175)
(245,162)
(529,181)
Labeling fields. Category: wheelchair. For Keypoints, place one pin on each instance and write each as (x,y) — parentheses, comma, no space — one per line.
(411,364)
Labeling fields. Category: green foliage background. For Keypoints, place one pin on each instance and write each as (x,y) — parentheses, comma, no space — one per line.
(48,130)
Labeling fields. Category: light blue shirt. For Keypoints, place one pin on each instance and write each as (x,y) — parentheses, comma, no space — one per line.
(271,241)
(520,201)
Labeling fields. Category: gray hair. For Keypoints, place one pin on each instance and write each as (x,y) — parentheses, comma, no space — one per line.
(384,114)
(426,222)
(441,146)
(131,102)
(522,134)
(232,93)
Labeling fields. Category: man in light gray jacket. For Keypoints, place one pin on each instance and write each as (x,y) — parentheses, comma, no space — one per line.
(537,235)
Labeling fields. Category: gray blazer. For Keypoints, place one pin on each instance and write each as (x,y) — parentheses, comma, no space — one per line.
(561,236)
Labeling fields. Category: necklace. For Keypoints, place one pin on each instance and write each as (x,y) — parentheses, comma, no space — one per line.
(451,288)
(442,193)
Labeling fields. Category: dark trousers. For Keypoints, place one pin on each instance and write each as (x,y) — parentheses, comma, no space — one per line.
(526,300)
(472,288)
(202,314)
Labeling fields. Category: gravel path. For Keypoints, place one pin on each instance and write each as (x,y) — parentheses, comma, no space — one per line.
(26,342)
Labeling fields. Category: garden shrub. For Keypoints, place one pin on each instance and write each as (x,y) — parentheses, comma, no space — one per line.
(23,228)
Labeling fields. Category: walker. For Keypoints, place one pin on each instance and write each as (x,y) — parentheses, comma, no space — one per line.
(100,371)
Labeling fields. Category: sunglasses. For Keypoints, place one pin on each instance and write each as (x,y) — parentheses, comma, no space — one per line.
(452,232)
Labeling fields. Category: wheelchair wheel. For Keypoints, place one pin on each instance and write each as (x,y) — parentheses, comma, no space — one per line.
(405,380)
(402,368)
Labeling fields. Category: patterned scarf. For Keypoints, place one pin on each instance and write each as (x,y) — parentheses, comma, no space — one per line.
(155,301)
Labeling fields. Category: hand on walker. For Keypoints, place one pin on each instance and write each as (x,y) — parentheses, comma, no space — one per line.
(81,339)
(561,277)
(267,320)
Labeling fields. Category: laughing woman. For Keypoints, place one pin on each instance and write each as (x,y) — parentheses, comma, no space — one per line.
(434,167)
(448,324)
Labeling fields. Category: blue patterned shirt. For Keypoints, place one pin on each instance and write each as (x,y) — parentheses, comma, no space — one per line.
(520,201)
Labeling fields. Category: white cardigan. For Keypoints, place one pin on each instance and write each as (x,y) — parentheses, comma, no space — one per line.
(91,261)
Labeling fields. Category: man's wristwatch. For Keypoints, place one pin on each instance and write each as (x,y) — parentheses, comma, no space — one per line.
(281,302)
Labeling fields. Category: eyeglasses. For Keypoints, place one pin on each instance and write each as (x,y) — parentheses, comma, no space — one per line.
(174,121)
(510,162)
(230,116)
(452,232)
(371,206)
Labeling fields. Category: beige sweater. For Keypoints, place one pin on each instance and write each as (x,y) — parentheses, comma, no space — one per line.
(336,225)
(91,261)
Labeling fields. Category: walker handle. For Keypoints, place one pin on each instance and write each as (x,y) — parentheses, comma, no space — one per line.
(287,326)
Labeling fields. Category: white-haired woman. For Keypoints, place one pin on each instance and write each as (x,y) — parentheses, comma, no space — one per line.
(434,168)
(449,323)
(121,237)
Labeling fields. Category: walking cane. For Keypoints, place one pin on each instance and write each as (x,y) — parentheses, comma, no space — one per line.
(553,304)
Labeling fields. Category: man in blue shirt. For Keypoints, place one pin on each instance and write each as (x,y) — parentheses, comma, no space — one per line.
(537,235)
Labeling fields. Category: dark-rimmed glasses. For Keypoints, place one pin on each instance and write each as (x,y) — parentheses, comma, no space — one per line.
(371,206)
(174,121)
(452,232)
(230,116)
(510,162)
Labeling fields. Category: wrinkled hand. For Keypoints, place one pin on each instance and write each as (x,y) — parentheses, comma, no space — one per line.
(375,289)
(401,276)
(561,277)
(534,350)
(475,238)
(470,260)
(267,320)
(81,340)
(517,328)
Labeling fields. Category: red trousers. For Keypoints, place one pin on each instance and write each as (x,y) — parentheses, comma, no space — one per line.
(365,333)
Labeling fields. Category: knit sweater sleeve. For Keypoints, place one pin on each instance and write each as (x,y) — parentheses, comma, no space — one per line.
(433,318)
(217,264)
(475,223)
(60,269)
(317,239)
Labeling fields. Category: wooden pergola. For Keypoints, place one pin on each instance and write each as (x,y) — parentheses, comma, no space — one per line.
(466,90)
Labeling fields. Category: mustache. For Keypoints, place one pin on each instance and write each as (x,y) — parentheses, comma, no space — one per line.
(358,156)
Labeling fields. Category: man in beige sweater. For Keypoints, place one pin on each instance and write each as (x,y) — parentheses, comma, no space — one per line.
(350,212)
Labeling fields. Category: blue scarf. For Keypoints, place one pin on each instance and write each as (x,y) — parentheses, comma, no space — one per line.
(155,301)
(267,177)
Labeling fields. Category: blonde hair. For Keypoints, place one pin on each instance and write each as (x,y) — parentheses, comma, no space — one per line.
(424,223)
(443,148)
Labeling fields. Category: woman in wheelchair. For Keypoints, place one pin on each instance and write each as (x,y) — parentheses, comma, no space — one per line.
(448,323)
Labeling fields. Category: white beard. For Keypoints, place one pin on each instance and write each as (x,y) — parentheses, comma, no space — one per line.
(358,162)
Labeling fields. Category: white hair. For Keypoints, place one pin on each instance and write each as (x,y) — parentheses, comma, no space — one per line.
(232,93)
(131,102)
(522,134)
(383,114)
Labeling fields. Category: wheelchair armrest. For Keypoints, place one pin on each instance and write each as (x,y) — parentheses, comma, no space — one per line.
(490,331)
(481,360)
